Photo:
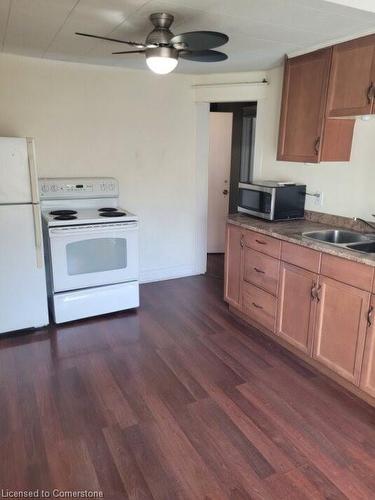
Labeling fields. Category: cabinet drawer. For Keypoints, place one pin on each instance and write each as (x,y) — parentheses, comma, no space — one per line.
(346,271)
(300,256)
(261,270)
(262,243)
(259,305)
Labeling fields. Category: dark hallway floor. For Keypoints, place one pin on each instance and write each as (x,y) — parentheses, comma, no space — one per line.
(177,401)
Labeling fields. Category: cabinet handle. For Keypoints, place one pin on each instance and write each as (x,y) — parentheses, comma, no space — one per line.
(241,242)
(256,305)
(259,270)
(317,145)
(313,292)
(261,242)
(317,291)
(369,316)
(370,92)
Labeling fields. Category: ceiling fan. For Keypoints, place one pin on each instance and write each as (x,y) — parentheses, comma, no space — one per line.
(162,48)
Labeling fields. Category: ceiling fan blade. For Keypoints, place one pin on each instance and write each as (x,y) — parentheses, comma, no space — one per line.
(204,56)
(130,52)
(134,44)
(199,40)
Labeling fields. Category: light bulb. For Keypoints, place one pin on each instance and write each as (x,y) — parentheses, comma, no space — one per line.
(162,60)
(161,65)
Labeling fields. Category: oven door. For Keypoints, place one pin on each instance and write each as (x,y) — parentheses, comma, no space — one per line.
(93,255)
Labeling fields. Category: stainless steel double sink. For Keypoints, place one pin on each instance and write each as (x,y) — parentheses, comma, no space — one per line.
(352,240)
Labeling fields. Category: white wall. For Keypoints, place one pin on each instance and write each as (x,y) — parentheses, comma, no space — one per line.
(136,126)
(348,187)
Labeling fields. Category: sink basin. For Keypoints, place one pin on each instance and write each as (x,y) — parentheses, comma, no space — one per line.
(363,247)
(337,236)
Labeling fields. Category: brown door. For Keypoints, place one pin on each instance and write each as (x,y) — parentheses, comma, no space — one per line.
(233,256)
(303,106)
(368,366)
(340,327)
(296,306)
(352,79)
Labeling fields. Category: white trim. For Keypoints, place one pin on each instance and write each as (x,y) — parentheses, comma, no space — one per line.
(329,43)
(222,84)
(201,184)
(167,273)
(219,92)
(230,92)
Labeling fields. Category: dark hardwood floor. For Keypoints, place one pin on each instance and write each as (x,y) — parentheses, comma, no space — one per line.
(178,400)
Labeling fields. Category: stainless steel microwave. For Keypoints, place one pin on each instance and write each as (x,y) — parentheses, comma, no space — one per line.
(272,200)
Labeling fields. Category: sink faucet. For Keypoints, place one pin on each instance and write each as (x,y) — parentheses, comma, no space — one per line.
(365,221)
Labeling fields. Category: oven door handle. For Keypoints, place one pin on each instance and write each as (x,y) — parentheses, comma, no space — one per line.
(60,232)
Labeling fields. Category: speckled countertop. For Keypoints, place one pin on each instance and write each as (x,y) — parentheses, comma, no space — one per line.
(292,231)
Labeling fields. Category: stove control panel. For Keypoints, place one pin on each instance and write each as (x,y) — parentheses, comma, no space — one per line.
(78,188)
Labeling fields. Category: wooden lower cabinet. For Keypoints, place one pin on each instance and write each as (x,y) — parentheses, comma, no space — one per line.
(367,383)
(259,306)
(261,270)
(296,306)
(233,265)
(340,327)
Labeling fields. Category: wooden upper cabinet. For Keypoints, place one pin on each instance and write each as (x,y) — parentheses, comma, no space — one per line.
(305,133)
(352,78)
(303,106)
(340,327)
(233,263)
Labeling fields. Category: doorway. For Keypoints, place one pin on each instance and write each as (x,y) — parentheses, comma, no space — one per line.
(230,161)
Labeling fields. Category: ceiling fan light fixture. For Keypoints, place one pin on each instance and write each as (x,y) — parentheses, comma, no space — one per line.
(162,60)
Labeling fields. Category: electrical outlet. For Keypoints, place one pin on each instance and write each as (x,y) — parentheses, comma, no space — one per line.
(318,199)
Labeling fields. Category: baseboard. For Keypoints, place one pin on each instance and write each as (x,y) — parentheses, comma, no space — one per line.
(167,273)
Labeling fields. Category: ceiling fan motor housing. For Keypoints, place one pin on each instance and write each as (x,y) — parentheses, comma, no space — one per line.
(161,34)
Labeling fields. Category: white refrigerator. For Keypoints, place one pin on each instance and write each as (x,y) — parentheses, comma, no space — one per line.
(23,295)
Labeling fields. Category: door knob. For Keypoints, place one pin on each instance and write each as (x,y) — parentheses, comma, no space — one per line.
(225,191)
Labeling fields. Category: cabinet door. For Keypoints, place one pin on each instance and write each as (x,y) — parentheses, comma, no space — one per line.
(296,306)
(233,256)
(352,78)
(340,327)
(368,366)
(303,106)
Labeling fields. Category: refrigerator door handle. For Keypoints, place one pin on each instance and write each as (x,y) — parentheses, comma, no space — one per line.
(32,170)
(38,236)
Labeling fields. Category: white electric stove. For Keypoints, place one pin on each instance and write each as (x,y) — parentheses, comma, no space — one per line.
(91,248)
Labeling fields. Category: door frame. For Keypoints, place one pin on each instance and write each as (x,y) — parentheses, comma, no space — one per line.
(206,94)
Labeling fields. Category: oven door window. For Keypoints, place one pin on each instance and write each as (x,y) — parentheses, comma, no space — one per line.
(96,255)
(257,201)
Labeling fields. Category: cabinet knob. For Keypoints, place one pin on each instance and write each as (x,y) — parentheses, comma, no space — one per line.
(370,92)
(369,316)
(317,145)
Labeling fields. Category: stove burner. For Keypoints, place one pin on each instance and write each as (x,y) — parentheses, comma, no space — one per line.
(107,209)
(65,217)
(112,214)
(63,212)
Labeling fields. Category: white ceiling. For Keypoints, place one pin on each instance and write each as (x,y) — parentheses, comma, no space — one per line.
(260,31)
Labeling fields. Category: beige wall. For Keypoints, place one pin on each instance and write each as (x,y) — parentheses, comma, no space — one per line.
(348,187)
(97,121)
